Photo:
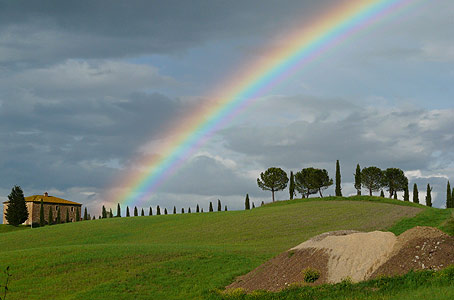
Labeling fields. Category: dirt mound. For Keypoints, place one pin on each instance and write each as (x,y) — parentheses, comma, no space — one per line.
(357,255)
(419,248)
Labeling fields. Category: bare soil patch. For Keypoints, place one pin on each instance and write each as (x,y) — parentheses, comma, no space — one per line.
(355,255)
(419,248)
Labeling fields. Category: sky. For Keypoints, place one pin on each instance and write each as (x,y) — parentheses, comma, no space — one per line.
(88,87)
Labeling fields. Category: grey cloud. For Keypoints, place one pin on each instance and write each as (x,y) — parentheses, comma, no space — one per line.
(205,176)
(41,31)
(76,143)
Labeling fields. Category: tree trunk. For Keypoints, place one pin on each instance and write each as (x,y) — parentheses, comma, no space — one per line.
(370,192)
(320,192)
(272,192)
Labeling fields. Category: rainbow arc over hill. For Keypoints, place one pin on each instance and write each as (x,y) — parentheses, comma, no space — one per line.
(304,46)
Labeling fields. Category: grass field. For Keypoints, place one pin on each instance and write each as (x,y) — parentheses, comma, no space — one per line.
(183,256)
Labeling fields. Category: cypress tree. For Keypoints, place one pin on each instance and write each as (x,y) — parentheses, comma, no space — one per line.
(247,204)
(219,205)
(201,210)
(382,194)
(110,213)
(174,210)
(253,205)
(51,216)
(291,186)
(429,196)
(448,196)
(118,210)
(58,216)
(197,209)
(94,218)
(263,203)
(99,217)
(211,207)
(338,180)
(127,211)
(67,216)
(142,213)
(77,214)
(17,212)
(165,211)
(104,212)
(406,194)
(42,221)
(182,210)
(85,214)
(189,210)
(358,180)
(158,210)
(415,194)
(136,213)
(225,209)
(150,213)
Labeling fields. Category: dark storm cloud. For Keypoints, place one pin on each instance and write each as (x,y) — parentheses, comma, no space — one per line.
(48,31)
(76,142)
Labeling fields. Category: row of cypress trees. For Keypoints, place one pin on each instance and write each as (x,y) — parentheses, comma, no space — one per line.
(106,214)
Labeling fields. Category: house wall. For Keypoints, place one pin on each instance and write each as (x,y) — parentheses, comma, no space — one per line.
(34,211)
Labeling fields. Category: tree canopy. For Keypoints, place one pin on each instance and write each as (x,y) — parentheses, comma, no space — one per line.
(310,181)
(395,180)
(273,179)
(372,179)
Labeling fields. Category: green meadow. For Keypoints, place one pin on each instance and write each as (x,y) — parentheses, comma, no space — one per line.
(192,256)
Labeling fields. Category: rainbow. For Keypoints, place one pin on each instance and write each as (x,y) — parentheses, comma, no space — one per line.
(305,45)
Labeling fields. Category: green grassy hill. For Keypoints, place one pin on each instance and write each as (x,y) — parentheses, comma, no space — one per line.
(183,256)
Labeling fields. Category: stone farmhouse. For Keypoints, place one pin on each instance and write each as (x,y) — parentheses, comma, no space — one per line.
(34,204)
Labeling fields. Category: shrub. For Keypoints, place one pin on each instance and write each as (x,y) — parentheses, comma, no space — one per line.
(311,275)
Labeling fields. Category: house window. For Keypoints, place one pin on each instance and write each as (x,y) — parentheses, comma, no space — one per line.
(72,208)
(56,207)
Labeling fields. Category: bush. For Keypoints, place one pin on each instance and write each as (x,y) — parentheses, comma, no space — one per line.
(311,275)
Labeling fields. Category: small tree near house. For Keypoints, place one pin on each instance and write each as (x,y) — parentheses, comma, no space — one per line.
(211,207)
(42,221)
(17,212)
(219,205)
(67,216)
(127,211)
(51,216)
(58,221)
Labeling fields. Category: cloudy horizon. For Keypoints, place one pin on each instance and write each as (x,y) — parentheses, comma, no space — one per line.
(87,87)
